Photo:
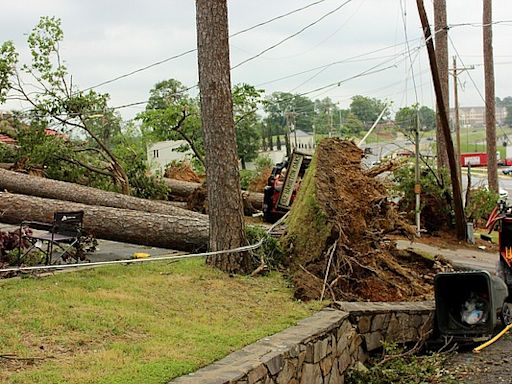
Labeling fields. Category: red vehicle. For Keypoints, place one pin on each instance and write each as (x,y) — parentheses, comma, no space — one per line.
(476,159)
(282,186)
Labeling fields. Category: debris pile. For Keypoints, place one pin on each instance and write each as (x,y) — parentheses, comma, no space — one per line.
(337,240)
(182,171)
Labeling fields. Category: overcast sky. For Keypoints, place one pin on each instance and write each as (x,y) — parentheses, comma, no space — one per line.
(364,39)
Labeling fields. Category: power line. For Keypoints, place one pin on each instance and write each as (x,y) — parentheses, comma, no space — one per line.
(195,49)
(292,35)
(486,106)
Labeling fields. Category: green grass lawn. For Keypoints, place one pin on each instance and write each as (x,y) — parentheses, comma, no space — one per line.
(135,324)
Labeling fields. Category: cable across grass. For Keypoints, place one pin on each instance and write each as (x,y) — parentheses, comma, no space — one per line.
(132,324)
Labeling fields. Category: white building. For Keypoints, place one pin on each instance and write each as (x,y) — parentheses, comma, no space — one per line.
(164,152)
(303,141)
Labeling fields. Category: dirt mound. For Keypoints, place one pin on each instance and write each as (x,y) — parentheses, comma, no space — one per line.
(198,200)
(182,171)
(260,181)
(339,224)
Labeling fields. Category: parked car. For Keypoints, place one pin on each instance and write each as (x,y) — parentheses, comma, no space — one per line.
(507,171)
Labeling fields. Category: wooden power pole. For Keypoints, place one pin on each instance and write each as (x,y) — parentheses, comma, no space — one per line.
(490,119)
(441,49)
(460,223)
(455,72)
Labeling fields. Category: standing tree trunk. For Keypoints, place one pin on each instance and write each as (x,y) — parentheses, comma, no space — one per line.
(460,221)
(490,119)
(222,177)
(441,44)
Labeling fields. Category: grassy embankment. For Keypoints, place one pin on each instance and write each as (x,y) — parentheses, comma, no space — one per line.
(135,324)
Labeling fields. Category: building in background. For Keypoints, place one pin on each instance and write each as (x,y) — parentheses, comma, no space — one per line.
(164,152)
(474,117)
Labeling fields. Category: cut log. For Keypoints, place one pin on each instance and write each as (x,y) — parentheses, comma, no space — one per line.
(183,232)
(6,165)
(41,187)
(185,189)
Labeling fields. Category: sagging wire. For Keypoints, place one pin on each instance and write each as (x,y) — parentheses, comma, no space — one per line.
(46,268)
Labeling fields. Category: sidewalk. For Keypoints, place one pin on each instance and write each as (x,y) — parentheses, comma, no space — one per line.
(461,258)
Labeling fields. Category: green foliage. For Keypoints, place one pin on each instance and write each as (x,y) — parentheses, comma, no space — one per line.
(352,124)
(436,200)
(406,118)
(58,103)
(7,153)
(246,176)
(481,203)
(171,114)
(263,162)
(270,251)
(8,61)
(367,109)
(398,368)
(246,99)
(328,117)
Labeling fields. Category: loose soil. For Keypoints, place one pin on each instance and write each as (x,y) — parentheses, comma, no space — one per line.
(343,215)
(260,181)
(182,171)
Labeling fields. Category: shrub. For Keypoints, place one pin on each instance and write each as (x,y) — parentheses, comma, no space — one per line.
(480,203)
(270,251)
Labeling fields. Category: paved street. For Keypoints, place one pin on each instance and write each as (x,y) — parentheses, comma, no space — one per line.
(113,250)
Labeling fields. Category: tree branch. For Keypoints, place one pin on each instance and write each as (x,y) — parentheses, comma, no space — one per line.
(86,166)
(177,129)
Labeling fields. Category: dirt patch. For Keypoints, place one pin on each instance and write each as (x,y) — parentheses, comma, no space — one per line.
(340,226)
(182,171)
(260,181)
(198,200)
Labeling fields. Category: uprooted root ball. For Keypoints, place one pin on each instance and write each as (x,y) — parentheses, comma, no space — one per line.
(338,227)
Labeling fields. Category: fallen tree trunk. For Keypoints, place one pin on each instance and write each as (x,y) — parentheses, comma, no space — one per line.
(60,190)
(185,189)
(183,232)
(6,165)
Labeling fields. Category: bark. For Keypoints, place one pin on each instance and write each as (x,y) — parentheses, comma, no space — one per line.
(460,221)
(441,46)
(60,190)
(223,180)
(152,229)
(490,120)
(184,189)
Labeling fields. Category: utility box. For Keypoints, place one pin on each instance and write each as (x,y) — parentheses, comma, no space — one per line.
(468,304)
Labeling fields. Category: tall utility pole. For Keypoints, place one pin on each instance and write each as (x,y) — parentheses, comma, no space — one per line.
(290,127)
(441,46)
(457,197)
(455,72)
(417,185)
(490,119)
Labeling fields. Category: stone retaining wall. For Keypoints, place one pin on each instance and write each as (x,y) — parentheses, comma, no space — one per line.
(321,348)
